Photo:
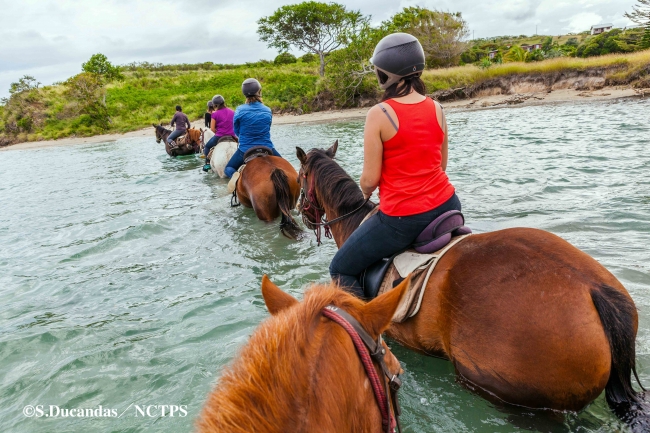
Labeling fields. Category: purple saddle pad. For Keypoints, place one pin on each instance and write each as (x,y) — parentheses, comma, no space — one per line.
(440,231)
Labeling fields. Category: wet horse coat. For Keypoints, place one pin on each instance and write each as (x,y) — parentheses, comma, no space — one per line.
(268,185)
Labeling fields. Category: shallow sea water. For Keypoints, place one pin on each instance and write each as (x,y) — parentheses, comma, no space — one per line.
(126,278)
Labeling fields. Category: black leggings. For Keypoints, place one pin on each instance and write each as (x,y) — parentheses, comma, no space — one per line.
(381,236)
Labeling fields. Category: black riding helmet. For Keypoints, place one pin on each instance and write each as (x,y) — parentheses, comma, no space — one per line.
(398,55)
(251,87)
(217,100)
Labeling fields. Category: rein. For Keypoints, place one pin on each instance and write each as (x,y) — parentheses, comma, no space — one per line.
(370,350)
(319,212)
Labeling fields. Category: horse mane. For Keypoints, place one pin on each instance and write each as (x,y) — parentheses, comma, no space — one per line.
(262,388)
(336,188)
(162,129)
(194,134)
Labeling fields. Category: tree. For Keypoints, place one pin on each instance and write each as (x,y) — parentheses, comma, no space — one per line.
(640,13)
(23,110)
(88,96)
(440,33)
(516,54)
(98,64)
(24,84)
(645,42)
(352,76)
(285,59)
(547,45)
(311,26)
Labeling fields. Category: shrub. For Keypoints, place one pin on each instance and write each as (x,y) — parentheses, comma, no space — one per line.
(285,59)
(308,58)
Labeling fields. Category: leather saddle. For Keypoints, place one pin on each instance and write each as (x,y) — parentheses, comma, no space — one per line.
(228,138)
(257,152)
(433,238)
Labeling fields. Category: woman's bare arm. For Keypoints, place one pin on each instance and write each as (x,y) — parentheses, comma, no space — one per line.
(213,126)
(373,149)
(442,121)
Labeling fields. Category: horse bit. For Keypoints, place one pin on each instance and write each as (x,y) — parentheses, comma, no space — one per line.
(310,199)
(370,350)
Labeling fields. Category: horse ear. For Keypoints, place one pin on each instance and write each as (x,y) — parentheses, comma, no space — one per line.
(161,123)
(377,314)
(275,299)
(302,156)
(153,124)
(332,150)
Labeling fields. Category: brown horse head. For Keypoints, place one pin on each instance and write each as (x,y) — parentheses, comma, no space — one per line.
(161,132)
(328,190)
(300,370)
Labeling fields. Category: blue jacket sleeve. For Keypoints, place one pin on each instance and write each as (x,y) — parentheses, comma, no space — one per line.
(235,122)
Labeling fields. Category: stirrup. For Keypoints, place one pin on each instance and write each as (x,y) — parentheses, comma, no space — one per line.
(232,183)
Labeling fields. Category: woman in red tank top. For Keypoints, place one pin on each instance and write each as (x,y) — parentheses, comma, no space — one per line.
(405,155)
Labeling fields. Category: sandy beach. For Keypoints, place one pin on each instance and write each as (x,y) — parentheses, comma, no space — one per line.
(482,103)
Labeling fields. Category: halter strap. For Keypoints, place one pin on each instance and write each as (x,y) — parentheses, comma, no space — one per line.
(389,118)
(364,342)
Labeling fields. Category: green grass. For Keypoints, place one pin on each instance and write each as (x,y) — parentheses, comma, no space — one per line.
(146,97)
(621,66)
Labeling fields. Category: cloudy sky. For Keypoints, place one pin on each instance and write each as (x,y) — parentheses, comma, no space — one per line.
(49,39)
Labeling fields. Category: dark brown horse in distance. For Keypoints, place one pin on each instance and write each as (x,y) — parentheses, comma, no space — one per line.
(268,185)
(188,144)
(300,372)
(523,315)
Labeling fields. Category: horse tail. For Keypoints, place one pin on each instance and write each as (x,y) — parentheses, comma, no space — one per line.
(288,225)
(617,315)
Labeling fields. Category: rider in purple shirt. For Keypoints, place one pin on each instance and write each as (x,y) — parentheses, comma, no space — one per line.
(221,124)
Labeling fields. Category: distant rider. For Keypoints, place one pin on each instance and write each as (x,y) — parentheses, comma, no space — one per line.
(221,124)
(182,123)
(405,155)
(208,114)
(252,125)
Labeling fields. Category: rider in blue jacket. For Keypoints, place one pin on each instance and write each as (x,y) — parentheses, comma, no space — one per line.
(252,124)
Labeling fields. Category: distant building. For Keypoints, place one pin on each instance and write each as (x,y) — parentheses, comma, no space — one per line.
(492,54)
(601,28)
(531,47)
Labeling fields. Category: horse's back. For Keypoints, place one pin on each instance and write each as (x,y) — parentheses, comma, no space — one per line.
(514,310)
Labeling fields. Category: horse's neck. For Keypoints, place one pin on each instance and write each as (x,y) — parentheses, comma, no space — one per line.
(343,229)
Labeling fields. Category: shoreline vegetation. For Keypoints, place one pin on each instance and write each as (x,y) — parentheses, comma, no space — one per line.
(145,97)
(494,101)
(106,99)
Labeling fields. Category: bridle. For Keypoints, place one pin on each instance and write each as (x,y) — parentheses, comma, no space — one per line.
(160,131)
(371,351)
(308,202)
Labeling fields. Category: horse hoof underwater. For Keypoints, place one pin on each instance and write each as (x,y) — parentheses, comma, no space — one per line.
(186,145)
(300,370)
(268,184)
(523,315)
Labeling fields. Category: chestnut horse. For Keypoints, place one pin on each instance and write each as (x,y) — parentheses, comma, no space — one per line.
(191,141)
(300,371)
(523,315)
(268,185)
